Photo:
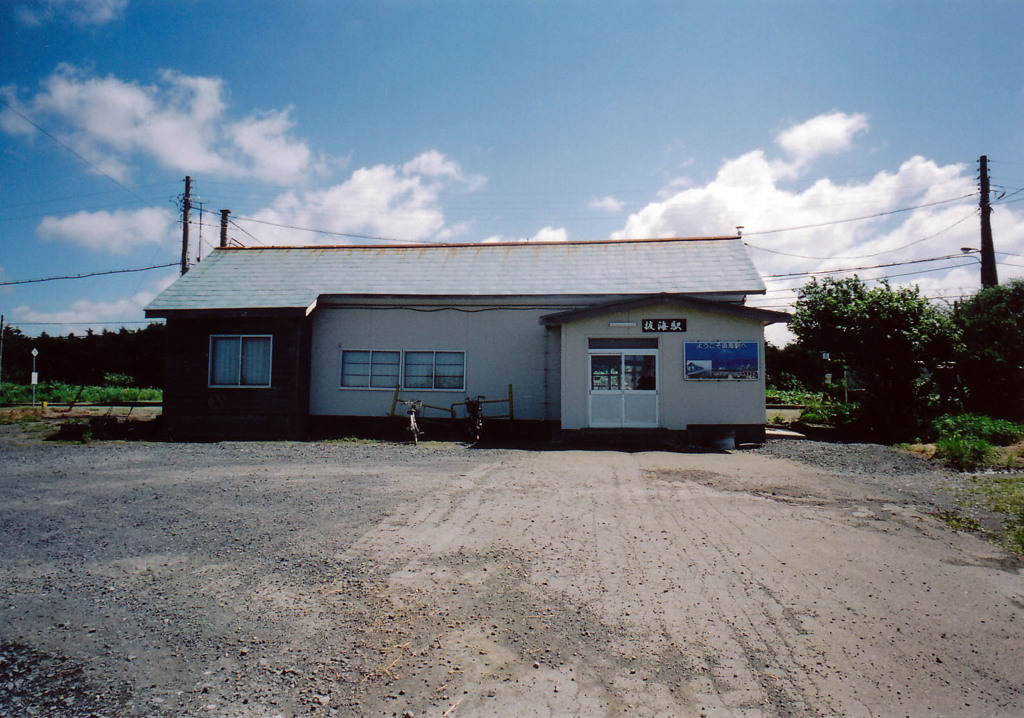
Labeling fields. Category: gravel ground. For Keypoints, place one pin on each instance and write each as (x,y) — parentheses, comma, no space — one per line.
(273,580)
(913,477)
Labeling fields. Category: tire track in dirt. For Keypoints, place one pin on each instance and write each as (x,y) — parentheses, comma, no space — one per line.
(641,594)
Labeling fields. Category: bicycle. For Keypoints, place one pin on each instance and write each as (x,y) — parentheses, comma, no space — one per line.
(415,408)
(475,415)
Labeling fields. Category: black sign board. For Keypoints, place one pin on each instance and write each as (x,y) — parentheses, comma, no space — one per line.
(663,325)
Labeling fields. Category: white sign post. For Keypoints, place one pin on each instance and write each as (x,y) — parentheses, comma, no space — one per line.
(35,375)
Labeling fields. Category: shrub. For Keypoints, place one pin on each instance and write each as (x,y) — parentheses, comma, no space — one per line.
(998,432)
(833,414)
(963,453)
(777,395)
(122,380)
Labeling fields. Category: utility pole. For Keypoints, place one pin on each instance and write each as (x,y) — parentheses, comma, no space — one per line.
(988,252)
(1,350)
(186,206)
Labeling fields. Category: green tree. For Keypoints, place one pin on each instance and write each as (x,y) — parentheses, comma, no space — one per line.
(891,340)
(991,363)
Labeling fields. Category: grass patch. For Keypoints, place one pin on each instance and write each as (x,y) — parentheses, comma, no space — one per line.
(353,440)
(20,415)
(60,393)
(1005,495)
(958,522)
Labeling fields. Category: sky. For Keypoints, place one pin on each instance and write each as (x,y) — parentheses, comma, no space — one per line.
(838,135)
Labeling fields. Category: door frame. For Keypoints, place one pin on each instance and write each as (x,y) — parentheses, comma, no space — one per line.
(650,396)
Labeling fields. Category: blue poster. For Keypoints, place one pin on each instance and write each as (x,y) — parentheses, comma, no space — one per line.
(720,360)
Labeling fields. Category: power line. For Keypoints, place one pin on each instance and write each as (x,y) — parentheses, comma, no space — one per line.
(865,256)
(326,231)
(858,219)
(90,274)
(857,269)
(69,149)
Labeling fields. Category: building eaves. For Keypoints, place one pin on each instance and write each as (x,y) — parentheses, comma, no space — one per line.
(737,310)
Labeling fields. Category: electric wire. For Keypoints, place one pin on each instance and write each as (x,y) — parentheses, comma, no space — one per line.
(69,149)
(858,219)
(350,235)
(90,274)
(858,269)
(865,256)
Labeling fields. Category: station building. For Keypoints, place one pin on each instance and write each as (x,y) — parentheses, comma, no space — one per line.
(613,336)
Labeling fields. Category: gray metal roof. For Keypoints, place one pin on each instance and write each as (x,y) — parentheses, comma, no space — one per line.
(599,310)
(295,277)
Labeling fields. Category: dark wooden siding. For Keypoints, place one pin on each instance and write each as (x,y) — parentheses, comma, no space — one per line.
(193,410)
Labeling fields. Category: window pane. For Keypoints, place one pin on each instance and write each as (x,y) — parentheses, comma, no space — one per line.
(355,368)
(255,361)
(605,372)
(225,361)
(384,369)
(449,370)
(419,370)
(640,374)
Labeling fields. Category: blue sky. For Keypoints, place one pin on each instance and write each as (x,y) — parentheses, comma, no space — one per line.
(482,121)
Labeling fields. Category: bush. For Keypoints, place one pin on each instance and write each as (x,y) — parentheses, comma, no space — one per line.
(997,432)
(963,453)
(778,395)
(832,414)
(60,393)
(122,380)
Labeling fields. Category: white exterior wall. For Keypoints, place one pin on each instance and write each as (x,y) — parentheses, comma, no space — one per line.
(502,346)
(681,402)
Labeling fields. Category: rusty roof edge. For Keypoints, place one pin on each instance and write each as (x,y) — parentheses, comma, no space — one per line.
(457,245)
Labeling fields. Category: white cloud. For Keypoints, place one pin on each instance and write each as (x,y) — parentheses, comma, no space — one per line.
(762,193)
(607,204)
(822,135)
(545,234)
(180,122)
(80,12)
(84,314)
(393,202)
(551,234)
(116,232)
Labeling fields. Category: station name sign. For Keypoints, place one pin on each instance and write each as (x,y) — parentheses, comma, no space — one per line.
(663,325)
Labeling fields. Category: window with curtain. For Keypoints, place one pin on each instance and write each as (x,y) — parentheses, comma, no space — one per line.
(380,369)
(240,360)
(373,369)
(435,370)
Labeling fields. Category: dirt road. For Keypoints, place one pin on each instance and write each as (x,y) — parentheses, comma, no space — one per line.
(326,579)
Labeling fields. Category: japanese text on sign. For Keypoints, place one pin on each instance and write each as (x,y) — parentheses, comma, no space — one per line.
(663,325)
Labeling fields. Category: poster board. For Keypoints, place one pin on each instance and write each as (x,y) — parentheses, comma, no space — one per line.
(718,360)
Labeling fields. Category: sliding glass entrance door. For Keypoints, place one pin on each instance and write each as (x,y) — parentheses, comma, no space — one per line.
(623,388)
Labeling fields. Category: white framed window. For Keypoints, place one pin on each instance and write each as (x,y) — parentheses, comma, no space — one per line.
(240,360)
(370,368)
(386,369)
(435,370)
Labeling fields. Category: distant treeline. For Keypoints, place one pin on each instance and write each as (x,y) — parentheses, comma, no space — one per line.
(133,357)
